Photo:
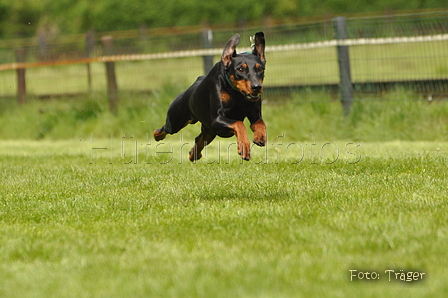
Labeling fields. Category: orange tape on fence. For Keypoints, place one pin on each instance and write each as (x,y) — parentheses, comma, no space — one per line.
(13,66)
(113,58)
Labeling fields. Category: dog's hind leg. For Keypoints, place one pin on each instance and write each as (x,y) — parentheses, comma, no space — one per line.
(159,134)
(202,140)
(177,117)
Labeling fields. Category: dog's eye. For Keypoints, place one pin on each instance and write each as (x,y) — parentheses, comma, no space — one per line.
(260,69)
(240,69)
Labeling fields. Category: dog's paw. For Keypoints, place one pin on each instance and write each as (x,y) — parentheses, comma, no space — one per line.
(159,134)
(260,143)
(194,155)
(244,150)
(260,140)
(244,156)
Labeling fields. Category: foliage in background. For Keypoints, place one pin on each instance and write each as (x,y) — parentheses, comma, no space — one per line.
(24,18)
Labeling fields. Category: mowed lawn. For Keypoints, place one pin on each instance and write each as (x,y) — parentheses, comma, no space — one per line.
(82,222)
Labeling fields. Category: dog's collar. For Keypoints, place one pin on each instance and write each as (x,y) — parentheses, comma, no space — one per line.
(230,83)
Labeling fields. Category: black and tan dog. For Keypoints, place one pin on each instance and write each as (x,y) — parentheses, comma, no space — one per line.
(222,99)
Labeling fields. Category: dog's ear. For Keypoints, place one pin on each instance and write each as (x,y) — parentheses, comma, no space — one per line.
(259,44)
(229,50)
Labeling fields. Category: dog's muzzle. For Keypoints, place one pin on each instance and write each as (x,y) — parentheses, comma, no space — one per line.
(256,93)
(251,97)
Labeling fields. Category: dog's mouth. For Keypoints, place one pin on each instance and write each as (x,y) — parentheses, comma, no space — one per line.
(251,97)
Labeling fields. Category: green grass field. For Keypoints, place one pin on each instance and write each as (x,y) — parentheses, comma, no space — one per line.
(73,226)
(91,207)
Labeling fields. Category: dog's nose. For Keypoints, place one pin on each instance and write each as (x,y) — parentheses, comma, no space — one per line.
(256,88)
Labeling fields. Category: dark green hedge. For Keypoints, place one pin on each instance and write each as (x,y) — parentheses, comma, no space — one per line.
(25,17)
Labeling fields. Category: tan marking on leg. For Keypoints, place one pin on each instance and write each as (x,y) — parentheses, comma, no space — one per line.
(259,129)
(243,140)
(159,134)
(195,153)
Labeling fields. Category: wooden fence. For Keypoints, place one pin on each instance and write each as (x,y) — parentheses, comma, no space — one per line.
(343,65)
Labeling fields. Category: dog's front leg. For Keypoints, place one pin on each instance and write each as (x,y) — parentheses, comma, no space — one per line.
(243,140)
(225,127)
(259,129)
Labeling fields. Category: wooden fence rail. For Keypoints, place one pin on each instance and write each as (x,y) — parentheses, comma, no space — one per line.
(341,43)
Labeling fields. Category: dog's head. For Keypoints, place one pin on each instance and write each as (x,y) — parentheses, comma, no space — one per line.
(245,71)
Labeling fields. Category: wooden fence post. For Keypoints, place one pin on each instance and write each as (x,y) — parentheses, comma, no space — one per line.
(345,84)
(207,43)
(21,81)
(112,87)
(90,44)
